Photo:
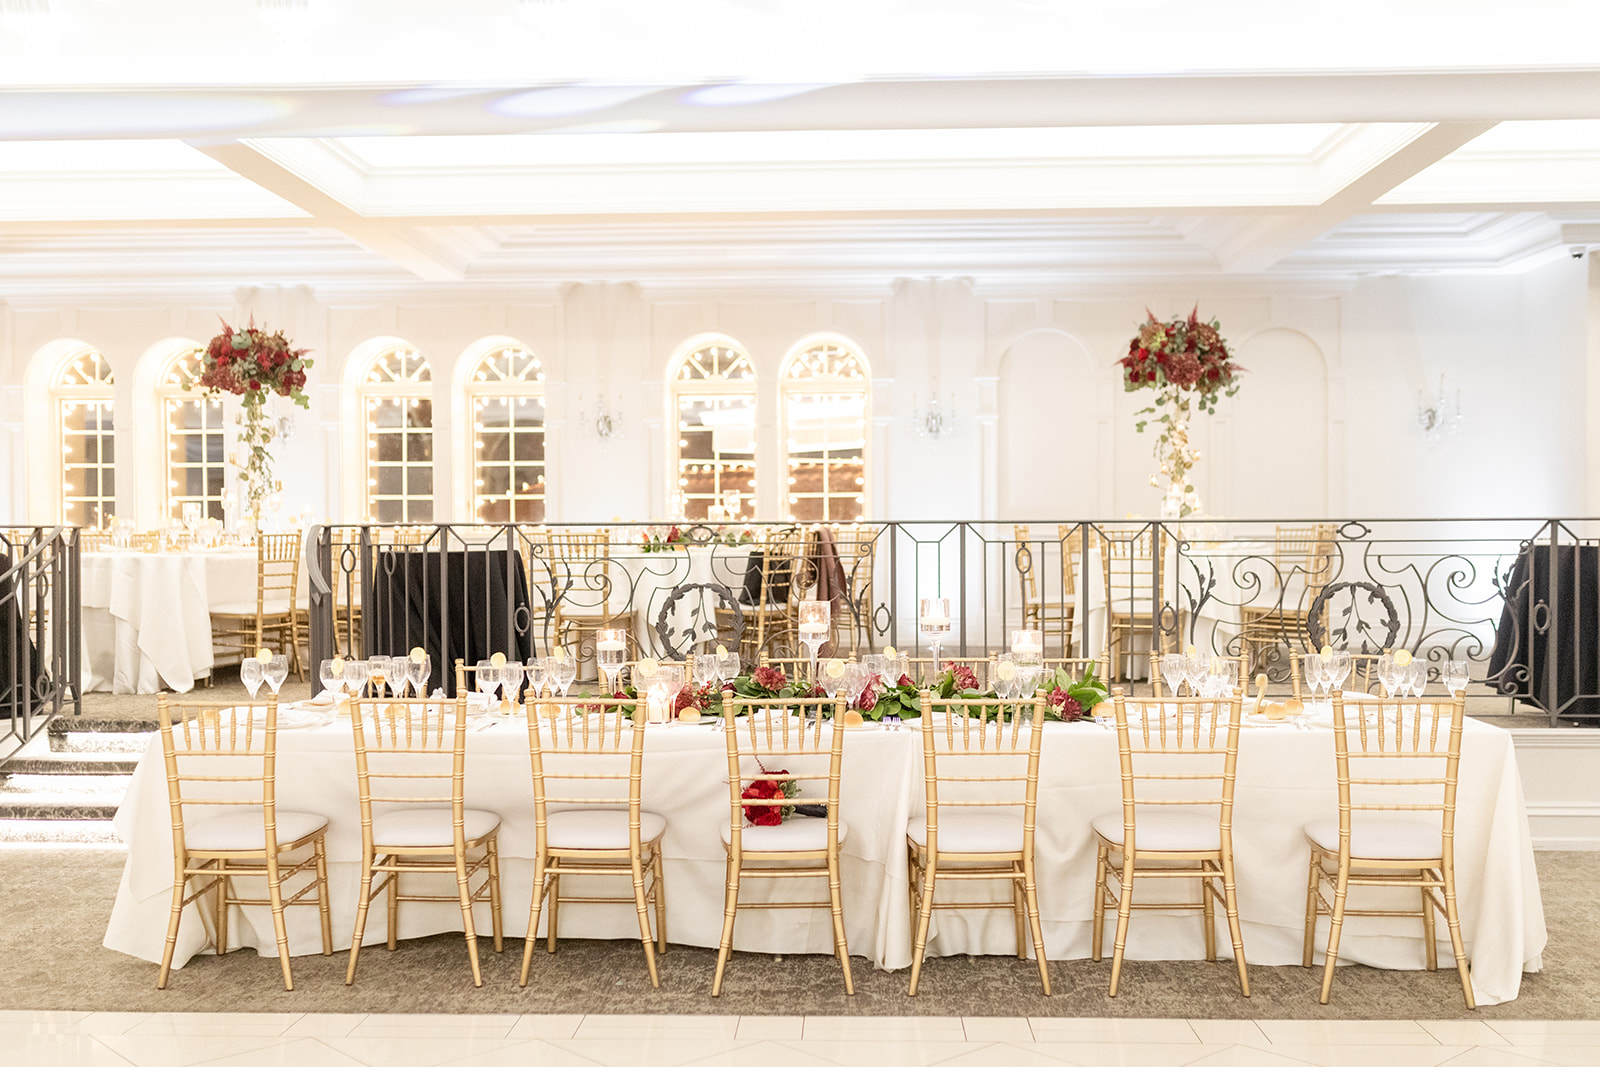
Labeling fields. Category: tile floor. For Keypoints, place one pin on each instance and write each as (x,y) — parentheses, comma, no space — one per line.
(47,1039)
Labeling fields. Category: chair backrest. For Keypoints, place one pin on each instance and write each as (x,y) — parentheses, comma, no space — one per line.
(587,753)
(1413,750)
(219,756)
(857,545)
(1002,737)
(1177,752)
(1363,671)
(1127,559)
(1307,549)
(771,740)
(1076,665)
(277,571)
(410,752)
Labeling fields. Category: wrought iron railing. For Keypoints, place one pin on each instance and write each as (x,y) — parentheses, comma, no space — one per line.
(1519,599)
(40,627)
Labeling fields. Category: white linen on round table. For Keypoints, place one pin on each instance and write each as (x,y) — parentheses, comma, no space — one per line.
(1286,779)
(147,615)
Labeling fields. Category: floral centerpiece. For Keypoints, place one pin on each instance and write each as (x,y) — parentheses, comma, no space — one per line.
(1187,363)
(659,539)
(252,364)
(1070,699)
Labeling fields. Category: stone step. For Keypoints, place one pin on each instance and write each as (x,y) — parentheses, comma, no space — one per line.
(67,762)
(56,833)
(61,796)
(129,744)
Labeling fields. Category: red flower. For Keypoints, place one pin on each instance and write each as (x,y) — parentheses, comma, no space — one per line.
(764,814)
(254,385)
(867,700)
(905,679)
(963,676)
(1065,706)
(771,678)
(1150,377)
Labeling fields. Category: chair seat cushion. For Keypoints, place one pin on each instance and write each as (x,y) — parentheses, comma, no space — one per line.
(1162,830)
(271,606)
(428,827)
(797,833)
(242,830)
(971,831)
(1381,837)
(600,828)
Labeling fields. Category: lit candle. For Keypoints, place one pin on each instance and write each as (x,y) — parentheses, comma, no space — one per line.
(614,644)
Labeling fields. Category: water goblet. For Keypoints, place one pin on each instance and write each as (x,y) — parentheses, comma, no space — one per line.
(1195,667)
(399,674)
(511,681)
(1173,667)
(1454,674)
(418,673)
(275,671)
(834,672)
(536,671)
(707,668)
(330,672)
(250,675)
(730,663)
(486,679)
(355,672)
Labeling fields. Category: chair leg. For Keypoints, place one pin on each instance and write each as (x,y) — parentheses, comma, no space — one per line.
(363,902)
(1209,912)
(179,882)
(1453,918)
(320,848)
(659,886)
(468,927)
(1430,947)
(1124,910)
(642,906)
(1311,906)
(1230,903)
(919,944)
(391,941)
(279,929)
(841,945)
(730,909)
(555,911)
(1341,890)
(220,915)
(540,887)
(495,923)
(1097,933)
(1031,892)
(1019,911)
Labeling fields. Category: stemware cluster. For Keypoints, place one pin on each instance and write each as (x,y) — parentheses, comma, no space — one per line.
(270,668)
(1206,676)
(397,674)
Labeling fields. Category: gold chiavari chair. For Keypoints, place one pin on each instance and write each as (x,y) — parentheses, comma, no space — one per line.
(537,548)
(1127,563)
(857,545)
(1077,665)
(411,766)
(1396,824)
(592,752)
(771,741)
(785,576)
(1157,683)
(957,838)
(795,668)
(921,668)
(1363,672)
(241,629)
(1053,615)
(207,750)
(1304,550)
(1176,753)
(585,586)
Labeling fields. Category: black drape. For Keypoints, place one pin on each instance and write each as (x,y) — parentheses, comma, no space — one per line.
(1552,611)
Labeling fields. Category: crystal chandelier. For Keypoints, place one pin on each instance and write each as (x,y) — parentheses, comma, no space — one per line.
(1440,414)
(933,421)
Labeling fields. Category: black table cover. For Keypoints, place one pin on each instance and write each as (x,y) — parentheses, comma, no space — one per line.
(1527,638)
(467,611)
(20,664)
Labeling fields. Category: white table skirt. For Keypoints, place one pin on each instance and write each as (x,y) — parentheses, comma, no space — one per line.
(1286,778)
(147,615)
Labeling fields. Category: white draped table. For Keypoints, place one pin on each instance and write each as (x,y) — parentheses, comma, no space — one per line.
(1286,778)
(147,615)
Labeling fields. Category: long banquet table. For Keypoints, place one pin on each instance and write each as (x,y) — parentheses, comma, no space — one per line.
(1286,778)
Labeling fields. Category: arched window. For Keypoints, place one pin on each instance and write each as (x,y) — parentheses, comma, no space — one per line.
(825,434)
(506,395)
(714,395)
(397,402)
(81,392)
(196,451)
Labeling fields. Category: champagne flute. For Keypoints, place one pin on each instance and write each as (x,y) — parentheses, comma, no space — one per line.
(1419,676)
(1195,668)
(1341,668)
(566,673)
(275,671)
(250,675)
(535,671)
(1386,672)
(611,651)
(511,680)
(399,674)
(1172,670)
(1006,681)
(418,672)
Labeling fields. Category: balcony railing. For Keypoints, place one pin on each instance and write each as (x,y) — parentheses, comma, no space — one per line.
(40,628)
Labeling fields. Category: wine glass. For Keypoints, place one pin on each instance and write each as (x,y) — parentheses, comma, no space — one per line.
(1340,662)
(1195,667)
(834,672)
(1386,674)
(377,674)
(399,674)
(1454,674)
(1419,676)
(611,651)
(1311,672)
(1006,682)
(536,670)
(933,622)
(355,674)
(511,680)
(566,672)
(1173,667)
(707,668)
(486,679)
(814,616)
(418,672)
(275,671)
(331,676)
(191,518)
(1226,671)
(250,675)
(664,686)
(730,663)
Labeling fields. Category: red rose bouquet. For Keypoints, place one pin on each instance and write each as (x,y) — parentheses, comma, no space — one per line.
(767,789)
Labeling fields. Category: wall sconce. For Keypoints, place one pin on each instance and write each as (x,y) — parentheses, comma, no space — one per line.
(933,421)
(600,420)
(1440,414)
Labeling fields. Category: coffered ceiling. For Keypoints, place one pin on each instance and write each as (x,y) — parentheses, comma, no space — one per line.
(148,145)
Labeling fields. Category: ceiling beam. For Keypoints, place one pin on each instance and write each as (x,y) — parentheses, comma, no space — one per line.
(398,243)
(1255,248)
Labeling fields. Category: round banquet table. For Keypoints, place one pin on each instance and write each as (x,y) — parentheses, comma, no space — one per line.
(1286,778)
(147,615)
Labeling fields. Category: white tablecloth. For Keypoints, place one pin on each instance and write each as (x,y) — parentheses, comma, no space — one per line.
(147,615)
(1286,778)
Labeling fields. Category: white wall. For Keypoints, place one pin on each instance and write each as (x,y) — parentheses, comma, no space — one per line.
(1324,424)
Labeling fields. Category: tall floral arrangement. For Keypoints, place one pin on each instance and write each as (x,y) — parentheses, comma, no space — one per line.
(1187,363)
(252,364)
